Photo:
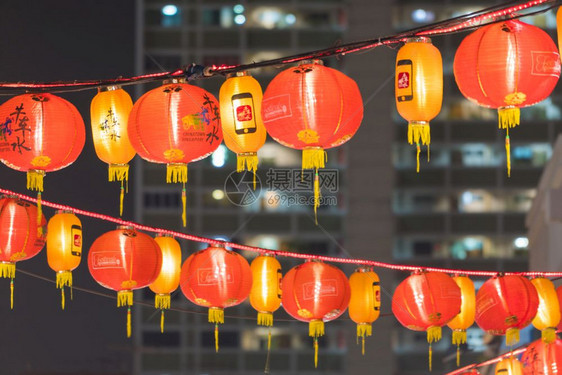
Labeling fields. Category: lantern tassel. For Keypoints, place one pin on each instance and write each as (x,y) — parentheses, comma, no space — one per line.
(508,117)
(39,216)
(265,319)
(433,335)
(128,321)
(177,173)
(418,150)
(121,197)
(7,270)
(316,196)
(315,352)
(511,336)
(184,206)
(119,172)
(124,298)
(364,329)
(419,133)
(459,337)
(268,339)
(161,321)
(316,329)
(247,161)
(548,335)
(508,153)
(35,179)
(314,158)
(62,297)
(64,278)
(216,338)
(11,294)
(162,301)
(430,353)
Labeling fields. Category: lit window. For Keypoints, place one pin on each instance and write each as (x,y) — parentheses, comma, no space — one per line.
(238,8)
(218,158)
(171,16)
(423,16)
(521,242)
(239,19)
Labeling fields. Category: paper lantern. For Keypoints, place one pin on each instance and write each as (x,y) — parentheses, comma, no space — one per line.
(175,124)
(426,301)
(125,260)
(471,372)
(509,366)
(168,279)
(558,27)
(541,358)
(365,301)
(504,305)
(559,295)
(265,295)
(312,108)
(240,100)
(216,278)
(39,133)
(19,238)
(465,317)
(548,312)
(315,292)
(418,89)
(508,66)
(64,247)
(109,113)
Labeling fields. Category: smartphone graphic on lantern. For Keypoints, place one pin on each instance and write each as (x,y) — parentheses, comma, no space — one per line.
(404,88)
(76,235)
(243,111)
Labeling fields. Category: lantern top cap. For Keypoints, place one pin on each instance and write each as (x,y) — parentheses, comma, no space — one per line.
(418,39)
(364,269)
(174,80)
(314,260)
(125,227)
(57,212)
(312,61)
(217,244)
(109,88)
(243,73)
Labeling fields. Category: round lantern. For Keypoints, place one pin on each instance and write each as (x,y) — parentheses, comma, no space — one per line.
(19,238)
(175,124)
(542,358)
(509,366)
(312,108)
(240,100)
(559,295)
(168,279)
(40,133)
(506,304)
(64,247)
(315,292)
(109,113)
(124,260)
(418,88)
(548,312)
(216,278)
(465,318)
(507,65)
(426,301)
(365,301)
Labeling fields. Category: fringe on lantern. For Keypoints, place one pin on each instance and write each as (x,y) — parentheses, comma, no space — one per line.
(419,132)
(363,329)
(39,216)
(508,153)
(548,335)
(176,173)
(162,301)
(508,117)
(119,172)
(511,336)
(35,179)
(184,206)
(268,339)
(247,161)
(459,337)
(62,298)
(314,158)
(433,335)
(64,278)
(124,298)
(316,328)
(8,270)
(265,319)
(216,315)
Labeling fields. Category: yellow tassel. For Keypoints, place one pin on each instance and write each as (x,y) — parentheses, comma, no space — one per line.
(508,117)
(216,338)
(418,158)
(428,153)
(162,301)
(216,315)
(548,335)
(508,153)
(39,216)
(419,131)
(363,329)
(184,206)
(314,158)
(268,339)
(124,298)
(64,278)
(118,172)
(459,337)
(458,356)
(247,161)
(430,356)
(176,173)
(315,352)
(62,297)
(316,328)
(433,335)
(35,179)
(162,321)
(7,270)
(316,196)
(265,319)
(121,196)
(129,321)
(12,294)
(511,336)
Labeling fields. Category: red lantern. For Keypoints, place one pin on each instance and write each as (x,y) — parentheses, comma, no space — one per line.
(40,133)
(216,278)
(312,108)
(507,65)
(506,304)
(175,124)
(541,358)
(124,260)
(471,372)
(426,301)
(315,292)
(19,239)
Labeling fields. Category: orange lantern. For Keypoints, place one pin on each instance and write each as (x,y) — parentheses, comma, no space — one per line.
(548,312)
(315,292)
(19,238)
(465,318)
(168,279)
(418,88)
(109,113)
(509,366)
(240,100)
(312,108)
(365,301)
(541,358)
(505,304)
(175,124)
(124,260)
(216,278)
(559,295)
(64,247)
(426,301)
(508,66)
(40,133)
(559,26)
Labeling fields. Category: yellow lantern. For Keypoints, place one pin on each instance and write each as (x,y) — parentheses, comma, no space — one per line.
(365,301)
(419,88)
(559,27)
(64,247)
(240,100)
(548,313)
(109,112)
(509,366)
(465,318)
(168,279)
(265,295)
